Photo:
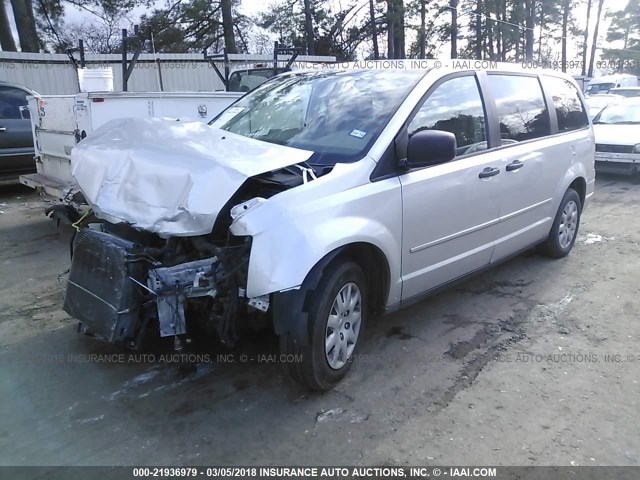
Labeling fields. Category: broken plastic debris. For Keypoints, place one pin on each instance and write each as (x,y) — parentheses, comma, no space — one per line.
(591,238)
(329,414)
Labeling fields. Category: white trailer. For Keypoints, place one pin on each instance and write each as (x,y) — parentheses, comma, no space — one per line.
(60,121)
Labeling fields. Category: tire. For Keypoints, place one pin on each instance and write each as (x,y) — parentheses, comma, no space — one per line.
(319,365)
(565,226)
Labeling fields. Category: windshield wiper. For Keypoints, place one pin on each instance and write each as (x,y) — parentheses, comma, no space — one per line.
(302,168)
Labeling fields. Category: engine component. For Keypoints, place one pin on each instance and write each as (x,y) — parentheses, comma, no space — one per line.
(259,303)
(100,292)
(173,285)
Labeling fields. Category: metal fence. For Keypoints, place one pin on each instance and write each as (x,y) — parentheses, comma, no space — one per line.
(54,74)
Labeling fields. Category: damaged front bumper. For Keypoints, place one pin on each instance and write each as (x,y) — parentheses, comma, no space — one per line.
(117,290)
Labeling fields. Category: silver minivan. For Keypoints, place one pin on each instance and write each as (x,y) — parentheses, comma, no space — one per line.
(320,199)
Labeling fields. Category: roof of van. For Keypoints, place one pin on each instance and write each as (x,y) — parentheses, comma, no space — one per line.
(430,64)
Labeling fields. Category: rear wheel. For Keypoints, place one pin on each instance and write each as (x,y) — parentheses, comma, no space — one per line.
(565,226)
(336,313)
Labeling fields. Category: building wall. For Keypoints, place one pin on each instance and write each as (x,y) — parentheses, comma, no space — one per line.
(54,74)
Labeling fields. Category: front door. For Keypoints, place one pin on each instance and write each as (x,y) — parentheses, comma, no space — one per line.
(450,211)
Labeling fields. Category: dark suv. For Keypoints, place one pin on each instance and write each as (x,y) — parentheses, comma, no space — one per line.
(16,140)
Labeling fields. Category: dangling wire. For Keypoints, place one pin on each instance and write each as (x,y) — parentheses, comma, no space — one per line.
(76,225)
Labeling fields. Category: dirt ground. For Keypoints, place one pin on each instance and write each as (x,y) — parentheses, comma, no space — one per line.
(536,362)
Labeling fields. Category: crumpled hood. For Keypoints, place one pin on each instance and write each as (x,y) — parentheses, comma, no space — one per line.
(169,177)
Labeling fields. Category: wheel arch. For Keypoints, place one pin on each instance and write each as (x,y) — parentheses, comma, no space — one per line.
(580,186)
(290,307)
(574,178)
(376,268)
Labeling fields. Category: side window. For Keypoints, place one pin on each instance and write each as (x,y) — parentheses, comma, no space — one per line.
(521,108)
(569,109)
(456,107)
(11,99)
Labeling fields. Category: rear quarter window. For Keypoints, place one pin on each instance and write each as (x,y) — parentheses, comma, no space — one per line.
(570,111)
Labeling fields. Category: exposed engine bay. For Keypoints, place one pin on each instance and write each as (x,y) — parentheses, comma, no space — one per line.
(125,281)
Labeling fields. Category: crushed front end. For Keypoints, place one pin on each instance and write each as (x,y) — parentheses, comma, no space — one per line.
(155,253)
(124,281)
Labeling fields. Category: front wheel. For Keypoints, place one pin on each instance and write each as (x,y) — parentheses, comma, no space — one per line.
(565,226)
(336,313)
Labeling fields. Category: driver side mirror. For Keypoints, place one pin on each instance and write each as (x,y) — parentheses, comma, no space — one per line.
(429,147)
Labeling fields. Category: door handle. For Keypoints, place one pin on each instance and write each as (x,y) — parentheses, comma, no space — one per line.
(515,165)
(3,129)
(489,172)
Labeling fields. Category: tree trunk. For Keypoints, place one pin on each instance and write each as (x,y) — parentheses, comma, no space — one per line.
(227,27)
(374,31)
(245,48)
(479,29)
(6,36)
(501,14)
(390,29)
(422,33)
(565,23)
(395,29)
(530,25)
(585,40)
(398,47)
(499,39)
(490,27)
(541,32)
(308,27)
(454,28)
(26,25)
(518,14)
(594,43)
(626,36)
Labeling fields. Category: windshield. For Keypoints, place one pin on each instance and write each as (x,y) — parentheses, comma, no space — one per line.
(622,113)
(600,88)
(335,114)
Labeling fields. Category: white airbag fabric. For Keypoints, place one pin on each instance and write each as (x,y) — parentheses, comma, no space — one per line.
(169,177)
